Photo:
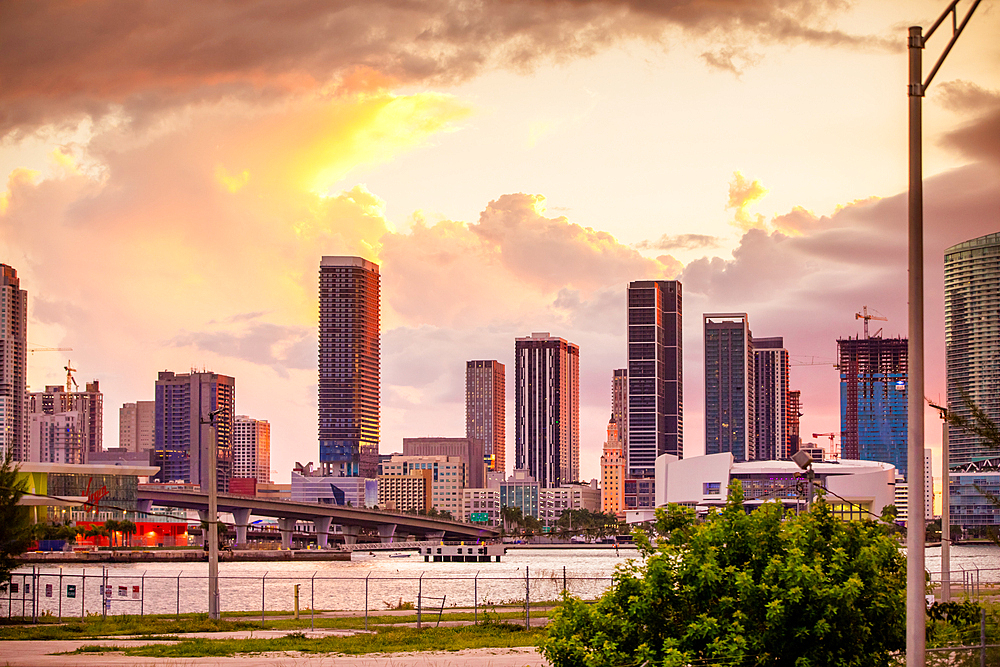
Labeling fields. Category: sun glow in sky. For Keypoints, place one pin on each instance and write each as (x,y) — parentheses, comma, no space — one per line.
(170,179)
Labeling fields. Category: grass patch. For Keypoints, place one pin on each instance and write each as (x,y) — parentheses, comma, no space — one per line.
(99,626)
(385,640)
(110,626)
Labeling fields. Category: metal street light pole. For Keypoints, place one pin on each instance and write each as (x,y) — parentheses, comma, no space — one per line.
(915,605)
(213,518)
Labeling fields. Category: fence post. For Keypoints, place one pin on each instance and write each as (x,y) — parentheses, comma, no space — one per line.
(420,597)
(527,599)
(178,595)
(142,594)
(104,591)
(35,577)
(564,580)
(312,601)
(262,581)
(475,598)
(83,595)
(366,600)
(60,593)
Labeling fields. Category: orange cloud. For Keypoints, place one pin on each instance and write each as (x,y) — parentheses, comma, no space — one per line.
(742,194)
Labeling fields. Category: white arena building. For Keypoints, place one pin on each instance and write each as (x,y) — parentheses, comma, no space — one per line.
(856,489)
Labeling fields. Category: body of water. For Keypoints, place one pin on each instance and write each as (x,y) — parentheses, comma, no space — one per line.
(378,582)
(383,581)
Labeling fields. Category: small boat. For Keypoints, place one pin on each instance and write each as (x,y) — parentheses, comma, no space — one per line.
(400,555)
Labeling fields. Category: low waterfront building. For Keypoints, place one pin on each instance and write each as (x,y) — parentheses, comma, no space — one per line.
(99,492)
(856,489)
(311,486)
(971,507)
(553,502)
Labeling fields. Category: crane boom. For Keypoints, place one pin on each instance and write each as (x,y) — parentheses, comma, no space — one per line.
(868,316)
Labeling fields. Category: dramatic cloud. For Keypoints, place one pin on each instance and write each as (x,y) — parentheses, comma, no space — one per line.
(979,138)
(65,60)
(680,242)
(743,193)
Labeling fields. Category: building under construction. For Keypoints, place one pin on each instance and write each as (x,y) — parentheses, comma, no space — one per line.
(873,395)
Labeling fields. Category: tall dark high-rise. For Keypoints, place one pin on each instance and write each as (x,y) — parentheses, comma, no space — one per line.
(771,366)
(348,367)
(183,430)
(547,408)
(972,338)
(655,374)
(485,407)
(729,385)
(13,364)
(873,395)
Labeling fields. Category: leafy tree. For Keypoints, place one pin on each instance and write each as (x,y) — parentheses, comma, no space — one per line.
(757,589)
(15,520)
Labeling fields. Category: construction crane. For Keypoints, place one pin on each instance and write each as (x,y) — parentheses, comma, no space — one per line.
(833,451)
(809,360)
(49,349)
(867,316)
(69,376)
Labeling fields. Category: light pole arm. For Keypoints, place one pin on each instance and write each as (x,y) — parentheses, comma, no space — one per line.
(956,30)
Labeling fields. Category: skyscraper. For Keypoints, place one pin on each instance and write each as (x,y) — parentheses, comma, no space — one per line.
(873,391)
(348,367)
(252,449)
(794,415)
(89,403)
(13,364)
(771,365)
(547,408)
(136,426)
(184,435)
(619,408)
(613,472)
(972,338)
(729,385)
(485,398)
(655,419)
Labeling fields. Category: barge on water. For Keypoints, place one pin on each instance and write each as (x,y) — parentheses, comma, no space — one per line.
(463,553)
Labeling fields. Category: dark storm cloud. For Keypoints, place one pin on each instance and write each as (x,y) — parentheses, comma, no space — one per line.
(65,60)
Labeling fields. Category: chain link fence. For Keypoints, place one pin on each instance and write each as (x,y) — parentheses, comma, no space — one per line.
(76,593)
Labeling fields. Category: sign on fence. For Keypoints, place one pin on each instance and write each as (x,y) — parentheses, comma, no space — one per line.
(71,590)
(135,592)
(123,591)
(48,590)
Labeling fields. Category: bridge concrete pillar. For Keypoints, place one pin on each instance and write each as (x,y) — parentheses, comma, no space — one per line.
(287,527)
(351,534)
(386,531)
(322,525)
(203,517)
(434,535)
(144,506)
(242,517)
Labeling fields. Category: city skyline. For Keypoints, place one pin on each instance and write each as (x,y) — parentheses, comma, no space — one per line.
(507,184)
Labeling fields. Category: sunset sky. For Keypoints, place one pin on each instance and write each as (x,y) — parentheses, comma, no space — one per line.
(173,172)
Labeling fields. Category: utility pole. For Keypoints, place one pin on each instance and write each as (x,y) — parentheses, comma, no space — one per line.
(916,610)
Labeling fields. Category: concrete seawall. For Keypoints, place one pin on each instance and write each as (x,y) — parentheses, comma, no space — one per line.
(178,556)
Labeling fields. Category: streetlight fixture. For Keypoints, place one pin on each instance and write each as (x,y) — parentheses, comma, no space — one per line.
(916,609)
(804,460)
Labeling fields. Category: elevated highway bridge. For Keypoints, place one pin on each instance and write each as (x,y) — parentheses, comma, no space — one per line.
(351,519)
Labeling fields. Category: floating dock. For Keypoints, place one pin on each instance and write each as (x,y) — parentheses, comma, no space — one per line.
(463,553)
